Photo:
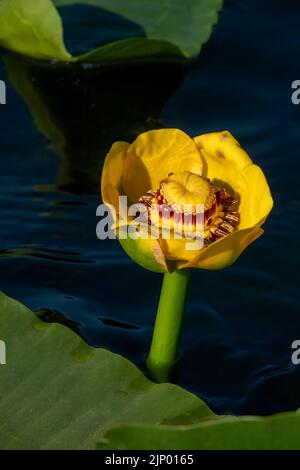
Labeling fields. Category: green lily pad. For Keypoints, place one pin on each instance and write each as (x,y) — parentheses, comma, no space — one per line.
(187,24)
(173,28)
(132,48)
(278,432)
(58,393)
(32,28)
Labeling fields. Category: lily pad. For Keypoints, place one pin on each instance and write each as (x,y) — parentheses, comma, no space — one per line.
(278,432)
(186,24)
(172,28)
(32,28)
(132,48)
(58,393)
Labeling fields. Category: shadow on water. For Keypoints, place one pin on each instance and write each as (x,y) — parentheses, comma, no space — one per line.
(83,108)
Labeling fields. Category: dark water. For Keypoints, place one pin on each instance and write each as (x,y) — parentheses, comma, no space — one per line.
(96,27)
(240,322)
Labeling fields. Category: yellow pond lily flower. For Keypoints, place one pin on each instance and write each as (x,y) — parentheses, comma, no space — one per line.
(168,167)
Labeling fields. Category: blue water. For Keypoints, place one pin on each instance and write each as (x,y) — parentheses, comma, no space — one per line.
(88,28)
(240,322)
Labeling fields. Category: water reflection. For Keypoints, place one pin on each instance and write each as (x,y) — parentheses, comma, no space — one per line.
(83,108)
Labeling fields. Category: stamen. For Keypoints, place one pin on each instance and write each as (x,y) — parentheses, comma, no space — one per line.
(221,216)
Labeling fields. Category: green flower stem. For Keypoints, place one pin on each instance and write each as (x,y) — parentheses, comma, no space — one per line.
(164,347)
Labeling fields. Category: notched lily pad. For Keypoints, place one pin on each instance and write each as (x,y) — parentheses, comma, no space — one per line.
(59,393)
(278,432)
(172,28)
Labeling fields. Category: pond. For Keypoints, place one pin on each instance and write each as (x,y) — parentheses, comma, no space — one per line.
(240,323)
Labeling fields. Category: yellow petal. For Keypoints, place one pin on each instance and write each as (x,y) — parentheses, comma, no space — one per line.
(224,252)
(177,251)
(222,158)
(146,253)
(256,200)
(153,156)
(112,173)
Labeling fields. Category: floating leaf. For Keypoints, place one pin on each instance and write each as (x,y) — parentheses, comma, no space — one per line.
(173,28)
(187,24)
(58,393)
(278,432)
(32,28)
(133,48)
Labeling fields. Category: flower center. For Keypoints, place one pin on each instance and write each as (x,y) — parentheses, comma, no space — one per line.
(185,193)
(186,188)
